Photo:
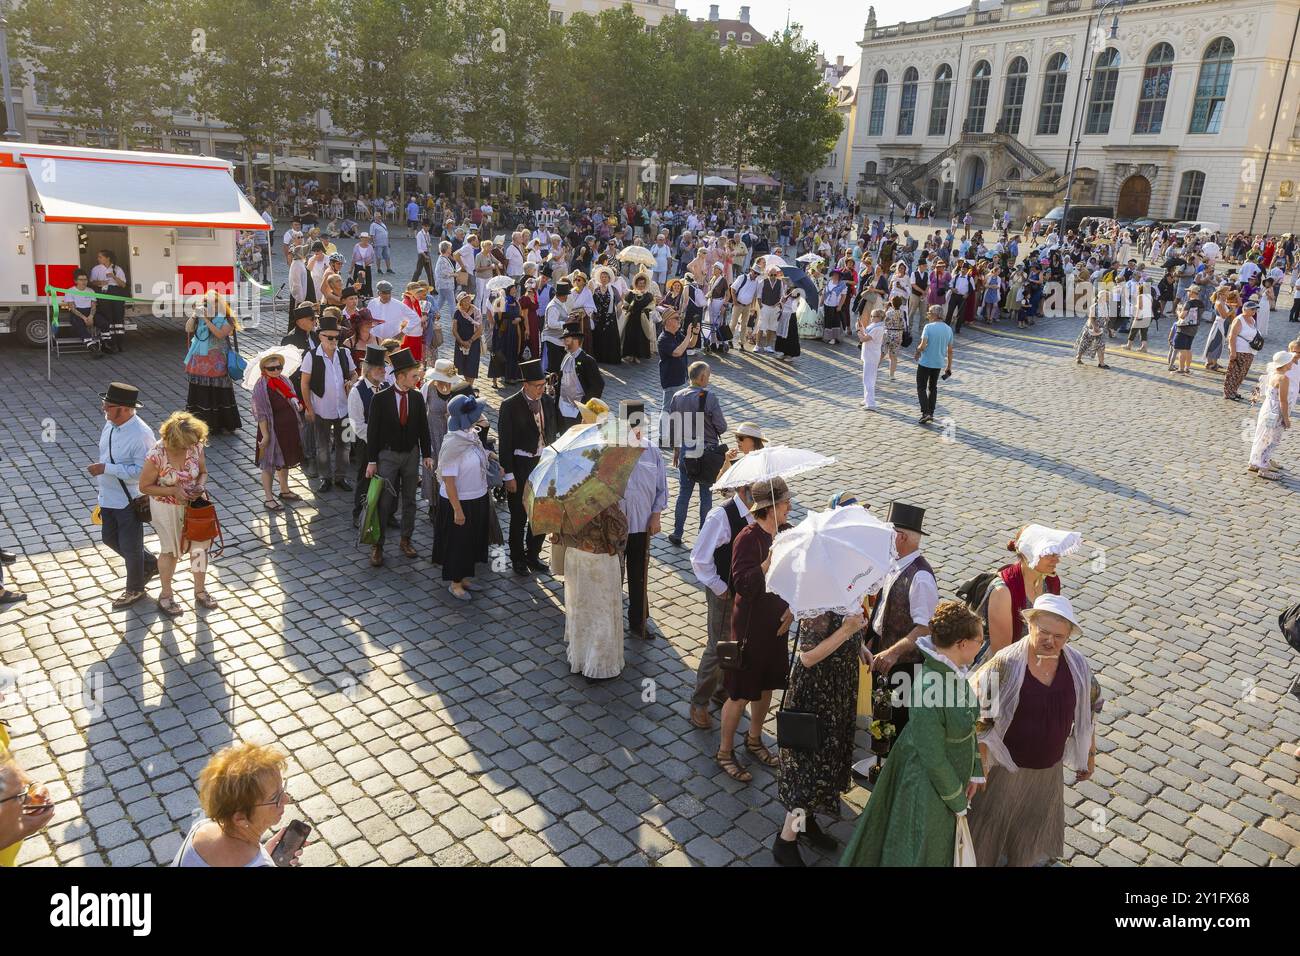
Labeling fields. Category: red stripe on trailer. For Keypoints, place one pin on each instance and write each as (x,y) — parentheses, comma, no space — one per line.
(59,276)
(117,221)
(195,280)
(125,162)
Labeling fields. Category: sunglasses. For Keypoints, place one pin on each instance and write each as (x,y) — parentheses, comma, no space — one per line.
(329,338)
(272,368)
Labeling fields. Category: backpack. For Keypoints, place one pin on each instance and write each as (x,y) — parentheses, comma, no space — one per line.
(1289,622)
(974,593)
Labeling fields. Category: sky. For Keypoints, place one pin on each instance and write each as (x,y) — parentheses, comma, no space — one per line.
(834,25)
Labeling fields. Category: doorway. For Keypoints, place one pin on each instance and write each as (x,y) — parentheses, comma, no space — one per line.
(1134,198)
(112,238)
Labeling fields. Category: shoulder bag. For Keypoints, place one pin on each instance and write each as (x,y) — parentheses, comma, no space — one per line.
(707,465)
(236,364)
(201,524)
(139,505)
(797,729)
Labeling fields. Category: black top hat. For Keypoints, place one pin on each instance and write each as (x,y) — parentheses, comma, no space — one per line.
(572,330)
(907,517)
(376,356)
(402,359)
(563,287)
(531,371)
(120,393)
(304,311)
(328,323)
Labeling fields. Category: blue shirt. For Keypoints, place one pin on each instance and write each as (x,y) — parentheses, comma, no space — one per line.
(130,443)
(937,337)
(647,490)
(672,368)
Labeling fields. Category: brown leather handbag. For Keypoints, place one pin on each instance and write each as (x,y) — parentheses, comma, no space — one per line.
(201,524)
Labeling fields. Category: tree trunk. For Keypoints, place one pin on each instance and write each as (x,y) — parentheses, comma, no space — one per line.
(478,180)
(248,168)
(374,167)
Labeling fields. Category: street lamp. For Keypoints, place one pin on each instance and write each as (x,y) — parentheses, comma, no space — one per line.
(893,184)
(1076,128)
(1272,211)
(10,133)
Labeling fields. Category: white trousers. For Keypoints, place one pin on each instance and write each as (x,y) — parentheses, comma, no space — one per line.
(870,366)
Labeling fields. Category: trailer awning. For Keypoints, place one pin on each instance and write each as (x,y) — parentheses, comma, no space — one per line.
(139,192)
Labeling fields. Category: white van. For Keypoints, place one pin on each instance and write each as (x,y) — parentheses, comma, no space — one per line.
(170,222)
(1195,227)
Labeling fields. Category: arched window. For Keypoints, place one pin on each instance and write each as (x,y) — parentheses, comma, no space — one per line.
(879,89)
(1101,99)
(1189,194)
(1212,86)
(1013,94)
(939,96)
(907,104)
(1054,80)
(978,101)
(1155,89)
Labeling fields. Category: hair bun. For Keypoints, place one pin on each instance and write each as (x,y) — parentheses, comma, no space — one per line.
(1011,545)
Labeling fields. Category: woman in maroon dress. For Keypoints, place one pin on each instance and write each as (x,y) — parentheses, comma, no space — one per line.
(276,408)
(759,622)
(532,326)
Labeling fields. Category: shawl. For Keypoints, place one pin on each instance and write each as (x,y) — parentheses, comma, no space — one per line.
(998,682)
(456,444)
(281,385)
(202,339)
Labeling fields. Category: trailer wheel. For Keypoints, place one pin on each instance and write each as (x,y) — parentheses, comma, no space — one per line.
(32,326)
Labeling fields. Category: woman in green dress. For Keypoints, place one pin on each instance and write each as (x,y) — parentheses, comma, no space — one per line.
(933,769)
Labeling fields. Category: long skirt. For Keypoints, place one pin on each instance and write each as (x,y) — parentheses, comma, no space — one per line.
(1088,343)
(285,450)
(1238,369)
(459,547)
(1018,819)
(504,362)
(593,613)
(635,343)
(814,781)
(1213,342)
(608,350)
(1268,435)
(211,394)
(787,339)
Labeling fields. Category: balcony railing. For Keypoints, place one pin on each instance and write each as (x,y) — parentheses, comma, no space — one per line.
(1063,6)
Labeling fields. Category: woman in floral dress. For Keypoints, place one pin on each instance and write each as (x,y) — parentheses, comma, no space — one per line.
(824,681)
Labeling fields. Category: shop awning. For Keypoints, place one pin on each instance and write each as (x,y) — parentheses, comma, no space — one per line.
(153,191)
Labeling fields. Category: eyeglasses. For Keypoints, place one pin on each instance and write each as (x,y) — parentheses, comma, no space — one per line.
(272,368)
(279,797)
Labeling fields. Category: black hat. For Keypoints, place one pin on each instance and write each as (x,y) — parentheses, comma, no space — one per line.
(349,292)
(304,311)
(563,287)
(402,359)
(376,356)
(328,323)
(907,517)
(120,393)
(531,371)
(572,330)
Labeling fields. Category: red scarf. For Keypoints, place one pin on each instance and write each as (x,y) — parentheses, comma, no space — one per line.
(281,385)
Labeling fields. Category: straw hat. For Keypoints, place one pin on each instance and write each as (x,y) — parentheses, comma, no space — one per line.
(291,355)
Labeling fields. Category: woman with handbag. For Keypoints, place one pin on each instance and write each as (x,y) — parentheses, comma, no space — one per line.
(1244,341)
(209,362)
(175,473)
(933,769)
(753,661)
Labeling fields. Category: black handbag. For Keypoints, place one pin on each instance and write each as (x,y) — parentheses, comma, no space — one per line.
(731,655)
(139,505)
(797,729)
(1257,342)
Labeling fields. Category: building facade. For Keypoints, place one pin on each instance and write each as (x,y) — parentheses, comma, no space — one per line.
(1186,109)
(833,177)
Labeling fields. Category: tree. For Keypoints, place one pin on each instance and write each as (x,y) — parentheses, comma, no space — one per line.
(246,76)
(740,107)
(798,124)
(572,122)
(112,63)
(621,37)
(528,37)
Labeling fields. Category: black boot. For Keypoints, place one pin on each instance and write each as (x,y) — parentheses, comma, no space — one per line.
(818,838)
(786,852)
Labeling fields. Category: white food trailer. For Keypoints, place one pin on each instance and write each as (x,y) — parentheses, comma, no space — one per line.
(169,220)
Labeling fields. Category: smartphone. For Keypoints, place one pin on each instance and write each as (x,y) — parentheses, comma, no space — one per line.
(295,836)
(946,375)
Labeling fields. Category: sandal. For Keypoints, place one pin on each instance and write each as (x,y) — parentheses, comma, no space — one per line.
(273,505)
(205,600)
(732,769)
(169,607)
(290,496)
(763,755)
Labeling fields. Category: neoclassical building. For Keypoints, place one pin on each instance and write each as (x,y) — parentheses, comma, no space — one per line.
(1189,112)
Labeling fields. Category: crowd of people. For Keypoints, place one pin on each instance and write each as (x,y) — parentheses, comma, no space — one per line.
(376,380)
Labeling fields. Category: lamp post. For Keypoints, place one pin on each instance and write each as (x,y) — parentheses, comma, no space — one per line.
(11,132)
(1081,98)
(1272,211)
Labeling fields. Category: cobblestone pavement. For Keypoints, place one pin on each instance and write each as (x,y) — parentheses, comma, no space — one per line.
(423,731)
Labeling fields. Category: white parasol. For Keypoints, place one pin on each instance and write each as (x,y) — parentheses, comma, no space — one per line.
(500,282)
(831,561)
(638,254)
(774,461)
(291,354)
(771,261)
(810,257)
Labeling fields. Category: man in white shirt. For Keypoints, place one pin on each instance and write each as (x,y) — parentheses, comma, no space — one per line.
(557,316)
(515,256)
(391,313)
(292,237)
(1248,271)
(662,253)
(374,372)
(423,261)
(468,253)
(327,374)
(906,605)
(123,444)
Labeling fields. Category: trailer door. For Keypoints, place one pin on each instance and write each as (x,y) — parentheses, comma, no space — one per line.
(151,268)
(18,272)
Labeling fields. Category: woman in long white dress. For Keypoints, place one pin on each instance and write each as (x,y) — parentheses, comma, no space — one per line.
(871,333)
(593,595)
